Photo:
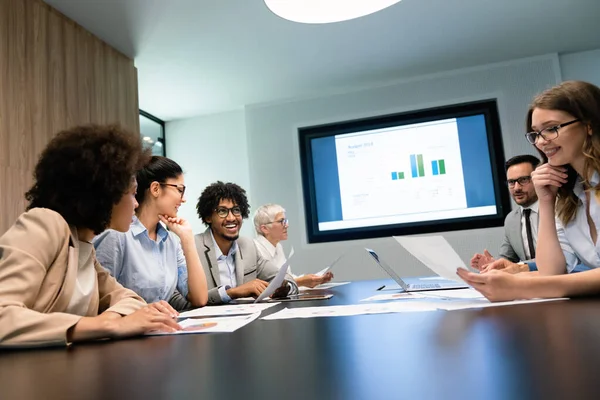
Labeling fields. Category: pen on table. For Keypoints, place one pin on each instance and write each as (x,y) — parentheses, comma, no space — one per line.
(381,287)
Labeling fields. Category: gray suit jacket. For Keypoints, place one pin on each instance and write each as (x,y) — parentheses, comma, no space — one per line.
(512,247)
(249,265)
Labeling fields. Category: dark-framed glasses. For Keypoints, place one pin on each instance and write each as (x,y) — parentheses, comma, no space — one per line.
(523,180)
(180,188)
(549,133)
(223,212)
(283,222)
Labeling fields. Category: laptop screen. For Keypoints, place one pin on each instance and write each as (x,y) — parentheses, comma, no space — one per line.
(386,268)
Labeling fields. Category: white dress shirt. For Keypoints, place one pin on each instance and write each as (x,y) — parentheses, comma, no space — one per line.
(533,218)
(574,238)
(272,253)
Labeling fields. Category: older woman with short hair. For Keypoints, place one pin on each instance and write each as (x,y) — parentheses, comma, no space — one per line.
(271,227)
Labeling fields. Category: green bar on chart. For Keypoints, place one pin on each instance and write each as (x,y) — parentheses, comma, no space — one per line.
(400,175)
(442,167)
(420,165)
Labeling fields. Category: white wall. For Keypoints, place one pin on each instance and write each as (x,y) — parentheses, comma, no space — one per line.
(583,66)
(273,128)
(209,148)
(260,150)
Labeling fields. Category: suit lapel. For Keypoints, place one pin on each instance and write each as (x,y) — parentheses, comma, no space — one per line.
(210,257)
(239,265)
(517,234)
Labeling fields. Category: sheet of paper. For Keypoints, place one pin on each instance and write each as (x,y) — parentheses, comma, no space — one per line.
(453,294)
(277,281)
(229,309)
(324,286)
(483,303)
(395,296)
(330,266)
(211,325)
(436,253)
(349,310)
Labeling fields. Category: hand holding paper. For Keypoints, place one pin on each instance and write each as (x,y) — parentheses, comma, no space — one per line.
(277,281)
(436,253)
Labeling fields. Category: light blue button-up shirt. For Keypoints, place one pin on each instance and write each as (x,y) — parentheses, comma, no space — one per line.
(226,264)
(574,238)
(151,268)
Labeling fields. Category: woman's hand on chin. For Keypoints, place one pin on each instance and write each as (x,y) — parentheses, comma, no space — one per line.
(178,226)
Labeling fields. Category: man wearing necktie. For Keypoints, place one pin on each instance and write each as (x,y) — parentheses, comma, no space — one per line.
(521,224)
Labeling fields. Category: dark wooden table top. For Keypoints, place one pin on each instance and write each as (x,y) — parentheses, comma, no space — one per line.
(538,351)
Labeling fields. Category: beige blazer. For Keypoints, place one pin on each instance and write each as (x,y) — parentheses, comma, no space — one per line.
(38,272)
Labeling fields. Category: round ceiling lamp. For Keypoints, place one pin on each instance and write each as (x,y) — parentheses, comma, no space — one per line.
(325,11)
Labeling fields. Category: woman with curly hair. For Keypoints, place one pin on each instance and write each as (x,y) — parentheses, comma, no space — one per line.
(52,289)
(564,125)
(156,263)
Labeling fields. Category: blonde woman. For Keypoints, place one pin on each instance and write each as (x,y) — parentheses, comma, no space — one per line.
(563,123)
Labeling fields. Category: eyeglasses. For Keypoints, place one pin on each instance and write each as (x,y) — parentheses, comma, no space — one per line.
(523,180)
(549,133)
(283,222)
(223,212)
(180,188)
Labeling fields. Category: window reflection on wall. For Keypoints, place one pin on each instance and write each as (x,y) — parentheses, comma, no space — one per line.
(152,130)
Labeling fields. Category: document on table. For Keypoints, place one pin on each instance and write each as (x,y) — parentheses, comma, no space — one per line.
(453,294)
(225,310)
(395,296)
(349,310)
(277,281)
(484,303)
(436,253)
(211,325)
(324,286)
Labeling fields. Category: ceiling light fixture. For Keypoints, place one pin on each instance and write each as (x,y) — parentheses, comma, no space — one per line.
(325,11)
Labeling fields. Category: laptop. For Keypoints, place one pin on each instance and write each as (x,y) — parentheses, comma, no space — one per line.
(416,284)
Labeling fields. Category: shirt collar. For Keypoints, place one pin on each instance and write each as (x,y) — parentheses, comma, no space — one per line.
(578,188)
(534,207)
(218,252)
(267,245)
(137,228)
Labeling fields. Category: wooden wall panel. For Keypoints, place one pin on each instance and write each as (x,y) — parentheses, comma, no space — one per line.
(53,75)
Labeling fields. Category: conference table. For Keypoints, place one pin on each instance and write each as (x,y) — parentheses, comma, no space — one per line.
(532,351)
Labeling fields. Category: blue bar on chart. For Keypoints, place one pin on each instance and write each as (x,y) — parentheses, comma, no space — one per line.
(413,165)
(394,176)
(434,167)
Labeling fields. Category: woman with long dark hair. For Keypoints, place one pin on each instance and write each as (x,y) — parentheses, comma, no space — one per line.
(156,263)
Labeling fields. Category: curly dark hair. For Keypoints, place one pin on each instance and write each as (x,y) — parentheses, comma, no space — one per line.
(214,193)
(84,171)
(158,169)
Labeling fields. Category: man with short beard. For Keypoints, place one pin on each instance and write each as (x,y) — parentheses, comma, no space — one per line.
(520,225)
(234,268)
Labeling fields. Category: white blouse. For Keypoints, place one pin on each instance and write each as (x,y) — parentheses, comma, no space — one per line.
(574,238)
(86,280)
